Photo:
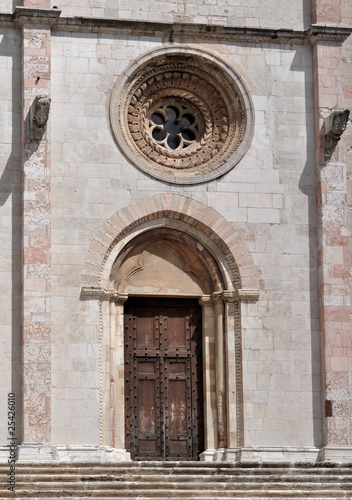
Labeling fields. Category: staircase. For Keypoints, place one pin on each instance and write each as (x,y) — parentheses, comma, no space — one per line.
(178,481)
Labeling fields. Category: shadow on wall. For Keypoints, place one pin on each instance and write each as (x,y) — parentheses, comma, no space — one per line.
(10,203)
(307,13)
(307,185)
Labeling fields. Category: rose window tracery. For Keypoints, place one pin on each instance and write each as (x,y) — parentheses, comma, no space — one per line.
(174,126)
(180,118)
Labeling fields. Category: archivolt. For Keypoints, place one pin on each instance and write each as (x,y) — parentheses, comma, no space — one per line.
(173,210)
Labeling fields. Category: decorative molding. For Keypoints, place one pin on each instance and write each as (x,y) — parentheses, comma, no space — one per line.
(236,295)
(179,31)
(28,15)
(336,454)
(328,33)
(208,32)
(232,248)
(91,292)
(287,454)
(248,294)
(41,452)
(206,301)
(172,78)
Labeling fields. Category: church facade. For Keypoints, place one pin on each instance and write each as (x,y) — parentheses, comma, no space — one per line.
(175,230)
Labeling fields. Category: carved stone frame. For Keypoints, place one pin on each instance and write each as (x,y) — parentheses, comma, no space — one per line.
(222,344)
(229,76)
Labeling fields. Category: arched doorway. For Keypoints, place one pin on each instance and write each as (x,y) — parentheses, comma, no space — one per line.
(164,272)
(171,247)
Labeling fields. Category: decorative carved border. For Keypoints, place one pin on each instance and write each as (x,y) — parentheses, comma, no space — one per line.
(179,31)
(230,243)
(191,75)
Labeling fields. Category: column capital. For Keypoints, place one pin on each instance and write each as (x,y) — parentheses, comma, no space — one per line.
(95,292)
(206,301)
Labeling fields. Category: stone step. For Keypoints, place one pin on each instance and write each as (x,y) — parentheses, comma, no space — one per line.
(184,465)
(293,496)
(108,482)
(178,481)
(84,470)
(176,495)
(182,479)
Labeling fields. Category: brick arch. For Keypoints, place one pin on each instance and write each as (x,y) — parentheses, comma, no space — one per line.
(228,241)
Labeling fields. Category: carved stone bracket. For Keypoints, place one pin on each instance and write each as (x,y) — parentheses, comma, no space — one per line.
(38,117)
(335,125)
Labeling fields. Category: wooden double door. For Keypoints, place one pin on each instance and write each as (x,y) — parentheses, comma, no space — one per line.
(163,379)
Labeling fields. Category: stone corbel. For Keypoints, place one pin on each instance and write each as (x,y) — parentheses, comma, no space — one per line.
(38,117)
(335,125)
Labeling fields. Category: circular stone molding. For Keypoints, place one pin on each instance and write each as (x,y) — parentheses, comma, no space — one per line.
(182,115)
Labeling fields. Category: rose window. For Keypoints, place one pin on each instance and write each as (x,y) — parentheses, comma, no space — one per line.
(174,126)
(182,116)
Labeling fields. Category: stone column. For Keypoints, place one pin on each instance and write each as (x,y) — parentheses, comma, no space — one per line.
(117,368)
(333,256)
(36,229)
(220,369)
(233,363)
(210,427)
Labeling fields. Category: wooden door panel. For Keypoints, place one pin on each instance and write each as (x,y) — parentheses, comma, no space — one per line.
(179,412)
(179,393)
(177,328)
(146,330)
(164,412)
(146,408)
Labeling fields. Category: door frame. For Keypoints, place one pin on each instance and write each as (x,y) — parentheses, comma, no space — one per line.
(103,309)
(159,354)
(222,374)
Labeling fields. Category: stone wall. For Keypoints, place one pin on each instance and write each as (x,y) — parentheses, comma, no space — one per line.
(10,222)
(252,13)
(268,197)
(347,138)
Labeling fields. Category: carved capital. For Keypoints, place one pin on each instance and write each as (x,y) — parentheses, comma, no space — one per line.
(230,295)
(206,301)
(118,298)
(91,292)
